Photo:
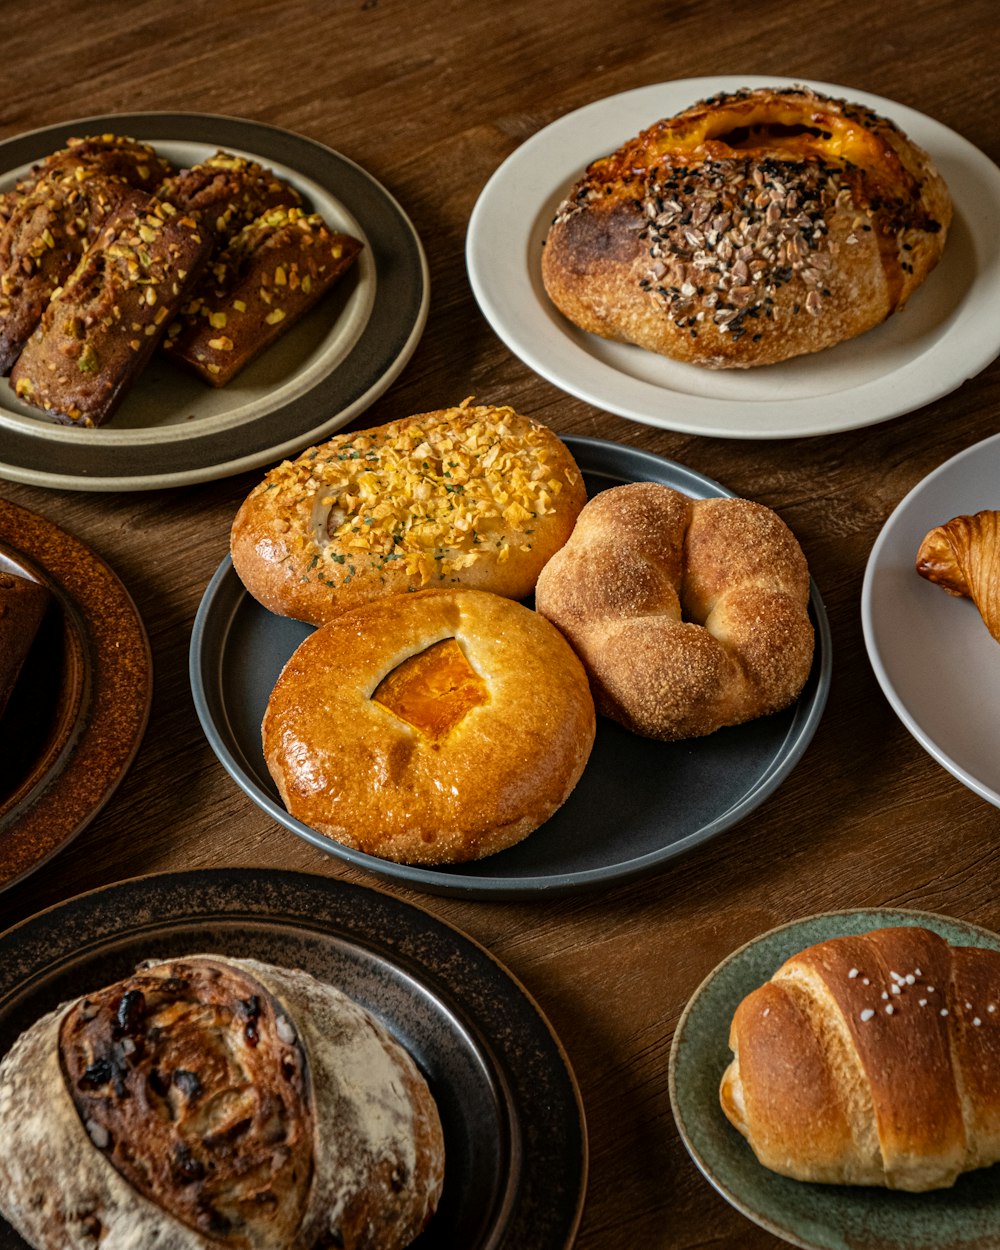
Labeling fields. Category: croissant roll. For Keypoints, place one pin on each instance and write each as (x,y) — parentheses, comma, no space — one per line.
(963,557)
(752,227)
(871,1060)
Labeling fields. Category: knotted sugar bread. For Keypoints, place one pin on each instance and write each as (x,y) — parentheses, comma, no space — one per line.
(689,614)
(752,227)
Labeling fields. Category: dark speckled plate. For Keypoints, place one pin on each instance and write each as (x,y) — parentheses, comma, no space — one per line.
(515,1139)
(817,1217)
(639,803)
(81,703)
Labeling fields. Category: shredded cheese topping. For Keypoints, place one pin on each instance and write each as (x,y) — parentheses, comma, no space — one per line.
(436,492)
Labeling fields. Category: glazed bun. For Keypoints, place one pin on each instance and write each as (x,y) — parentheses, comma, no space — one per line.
(430,728)
(752,227)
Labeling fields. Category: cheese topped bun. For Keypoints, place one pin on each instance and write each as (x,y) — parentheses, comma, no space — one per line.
(477,497)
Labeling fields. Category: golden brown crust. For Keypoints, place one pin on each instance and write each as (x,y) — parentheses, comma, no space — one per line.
(688,614)
(470,496)
(963,557)
(750,228)
(452,783)
(871,1060)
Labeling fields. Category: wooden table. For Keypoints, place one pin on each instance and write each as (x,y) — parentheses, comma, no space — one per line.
(430,98)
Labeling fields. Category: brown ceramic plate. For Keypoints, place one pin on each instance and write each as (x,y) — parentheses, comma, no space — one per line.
(81,703)
(515,1135)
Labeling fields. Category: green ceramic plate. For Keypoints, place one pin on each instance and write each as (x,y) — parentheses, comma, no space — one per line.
(817,1217)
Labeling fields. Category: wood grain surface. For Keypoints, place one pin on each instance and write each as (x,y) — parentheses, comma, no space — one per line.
(430,96)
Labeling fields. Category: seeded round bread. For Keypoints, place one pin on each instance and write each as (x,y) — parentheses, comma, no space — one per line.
(207,1102)
(468,496)
(750,228)
(689,614)
(433,727)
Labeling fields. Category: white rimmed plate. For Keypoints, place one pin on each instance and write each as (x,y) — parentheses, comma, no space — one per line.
(173,430)
(949,331)
(933,656)
(816,1217)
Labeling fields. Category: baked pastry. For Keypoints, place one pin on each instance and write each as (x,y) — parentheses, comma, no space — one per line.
(48,232)
(227,192)
(688,614)
(470,496)
(99,330)
(121,157)
(871,1060)
(53,215)
(22,606)
(272,273)
(963,557)
(208,1101)
(752,227)
(429,728)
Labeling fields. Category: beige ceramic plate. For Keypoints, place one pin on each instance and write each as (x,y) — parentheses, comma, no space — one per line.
(817,1217)
(949,331)
(171,429)
(81,703)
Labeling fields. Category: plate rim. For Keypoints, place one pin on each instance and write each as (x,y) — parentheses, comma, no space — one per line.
(904,915)
(209,462)
(991,793)
(107,721)
(405,950)
(679,411)
(806,719)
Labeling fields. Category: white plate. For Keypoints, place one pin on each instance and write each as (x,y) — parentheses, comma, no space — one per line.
(949,331)
(931,652)
(173,430)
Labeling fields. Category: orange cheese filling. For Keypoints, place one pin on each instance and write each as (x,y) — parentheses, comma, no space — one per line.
(434,690)
(788,132)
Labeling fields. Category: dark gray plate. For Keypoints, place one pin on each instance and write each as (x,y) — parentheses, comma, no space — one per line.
(515,1139)
(171,429)
(816,1217)
(639,803)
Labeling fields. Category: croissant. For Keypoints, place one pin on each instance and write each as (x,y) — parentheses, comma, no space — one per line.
(207,1102)
(963,557)
(871,1060)
(752,227)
